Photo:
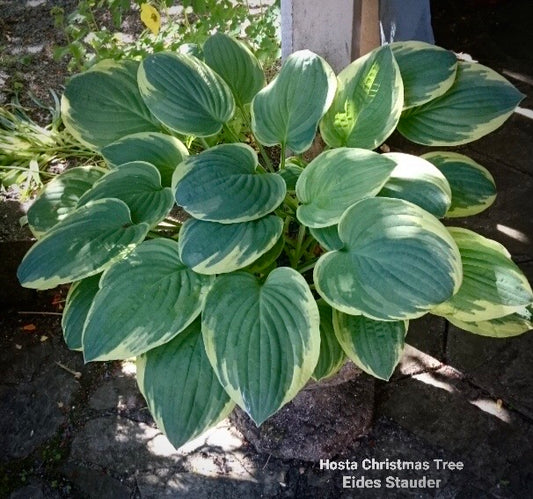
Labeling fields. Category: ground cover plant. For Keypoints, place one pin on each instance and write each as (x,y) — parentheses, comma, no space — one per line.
(281,268)
(90,39)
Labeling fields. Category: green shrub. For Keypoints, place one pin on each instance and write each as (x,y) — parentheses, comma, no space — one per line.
(283,268)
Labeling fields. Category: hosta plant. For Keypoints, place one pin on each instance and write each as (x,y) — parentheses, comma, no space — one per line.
(282,268)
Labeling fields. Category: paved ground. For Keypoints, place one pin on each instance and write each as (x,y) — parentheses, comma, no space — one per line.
(74,430)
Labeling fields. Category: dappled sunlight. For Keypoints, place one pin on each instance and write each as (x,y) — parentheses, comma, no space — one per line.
(528,113)
(429,378)
(452,381)
(513,233)
(492,407)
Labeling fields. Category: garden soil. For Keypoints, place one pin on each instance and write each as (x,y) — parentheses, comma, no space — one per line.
(456,419)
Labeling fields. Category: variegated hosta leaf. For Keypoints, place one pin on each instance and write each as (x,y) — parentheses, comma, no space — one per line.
(163,151)
(328,237)
(473,187)
(221,185)
(185,94)
(376,347)
(181,388)
(427,71)
(267,260)
(60,197)
(368,102)
(479,101)
(79,300)
(501,327)
(138,184)
(83,244)
(262,338)
(332,356)
(214,248)
(103,104)
(398,262)
(288,110)
(417,180)
(236,64)
(143,301)
(493,285)
(335,180)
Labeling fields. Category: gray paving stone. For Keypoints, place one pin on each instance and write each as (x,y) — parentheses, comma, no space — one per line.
(168,483)
(34,395)
(510,145)
(495,443)
(119,392)
(502,367)
(96,484)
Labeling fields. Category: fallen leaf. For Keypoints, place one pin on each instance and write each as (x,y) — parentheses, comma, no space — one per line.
(29,327)
(18,347)
(43,338)
(151,18)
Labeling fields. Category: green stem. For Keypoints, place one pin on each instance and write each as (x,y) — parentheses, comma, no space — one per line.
(307,266)
(203,142)
(282,156)
(231,133)
(298,248)
(291,203)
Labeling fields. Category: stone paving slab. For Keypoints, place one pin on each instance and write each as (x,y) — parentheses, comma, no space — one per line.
(501,367)
(494,442)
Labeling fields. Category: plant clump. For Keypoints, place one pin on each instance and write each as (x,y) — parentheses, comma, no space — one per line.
(284,269)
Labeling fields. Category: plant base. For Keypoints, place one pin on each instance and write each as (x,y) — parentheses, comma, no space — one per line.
(321,422)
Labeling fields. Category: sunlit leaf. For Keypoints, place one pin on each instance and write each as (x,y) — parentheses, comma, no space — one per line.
(398,261)
(288,110)
(493,285)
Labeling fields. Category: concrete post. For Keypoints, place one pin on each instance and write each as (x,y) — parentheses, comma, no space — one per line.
(338,30)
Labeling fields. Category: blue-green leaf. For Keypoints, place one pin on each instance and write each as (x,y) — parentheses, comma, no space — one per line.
(79,300)
(473,187)
(417,180)
(332,356)
(143,301)
(479,102)
(138,184)
(287,111)
(185,94)
(427,71)
(214,248)
(239,68)
(493,285)
(163,151)
(181,388)
(262,339)
(103,104)
(376,347)
(222,185)
(335,180)
(398,261)
(60,197)
(83,244)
